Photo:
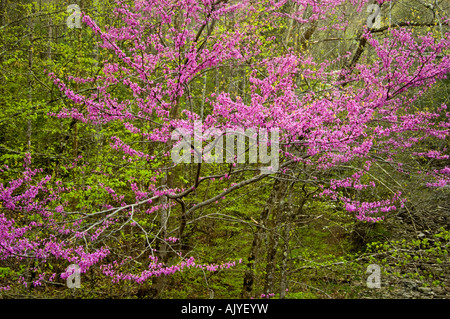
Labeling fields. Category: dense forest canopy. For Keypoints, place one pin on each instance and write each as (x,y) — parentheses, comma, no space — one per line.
(108,106)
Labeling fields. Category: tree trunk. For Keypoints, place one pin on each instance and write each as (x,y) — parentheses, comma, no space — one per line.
(30,78)
(276,194)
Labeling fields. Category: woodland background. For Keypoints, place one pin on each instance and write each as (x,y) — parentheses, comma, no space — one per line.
(328,250)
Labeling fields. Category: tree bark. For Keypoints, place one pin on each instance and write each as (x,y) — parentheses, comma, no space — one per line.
(276,194)
(30,78)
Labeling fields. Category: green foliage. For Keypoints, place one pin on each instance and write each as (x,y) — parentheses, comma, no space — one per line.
(422,258)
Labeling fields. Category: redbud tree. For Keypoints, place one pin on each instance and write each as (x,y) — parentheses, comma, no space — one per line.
(346,112)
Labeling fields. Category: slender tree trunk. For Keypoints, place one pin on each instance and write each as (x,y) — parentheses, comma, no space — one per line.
(3,5)
(272,248)
(30,273)
(288,215)
(203,97)
(30,78)
(286,254)
(277,192)
(216,78)
(290,25)
(50,38)
(75,129)
(276,223)
(2,11)
(158,283)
